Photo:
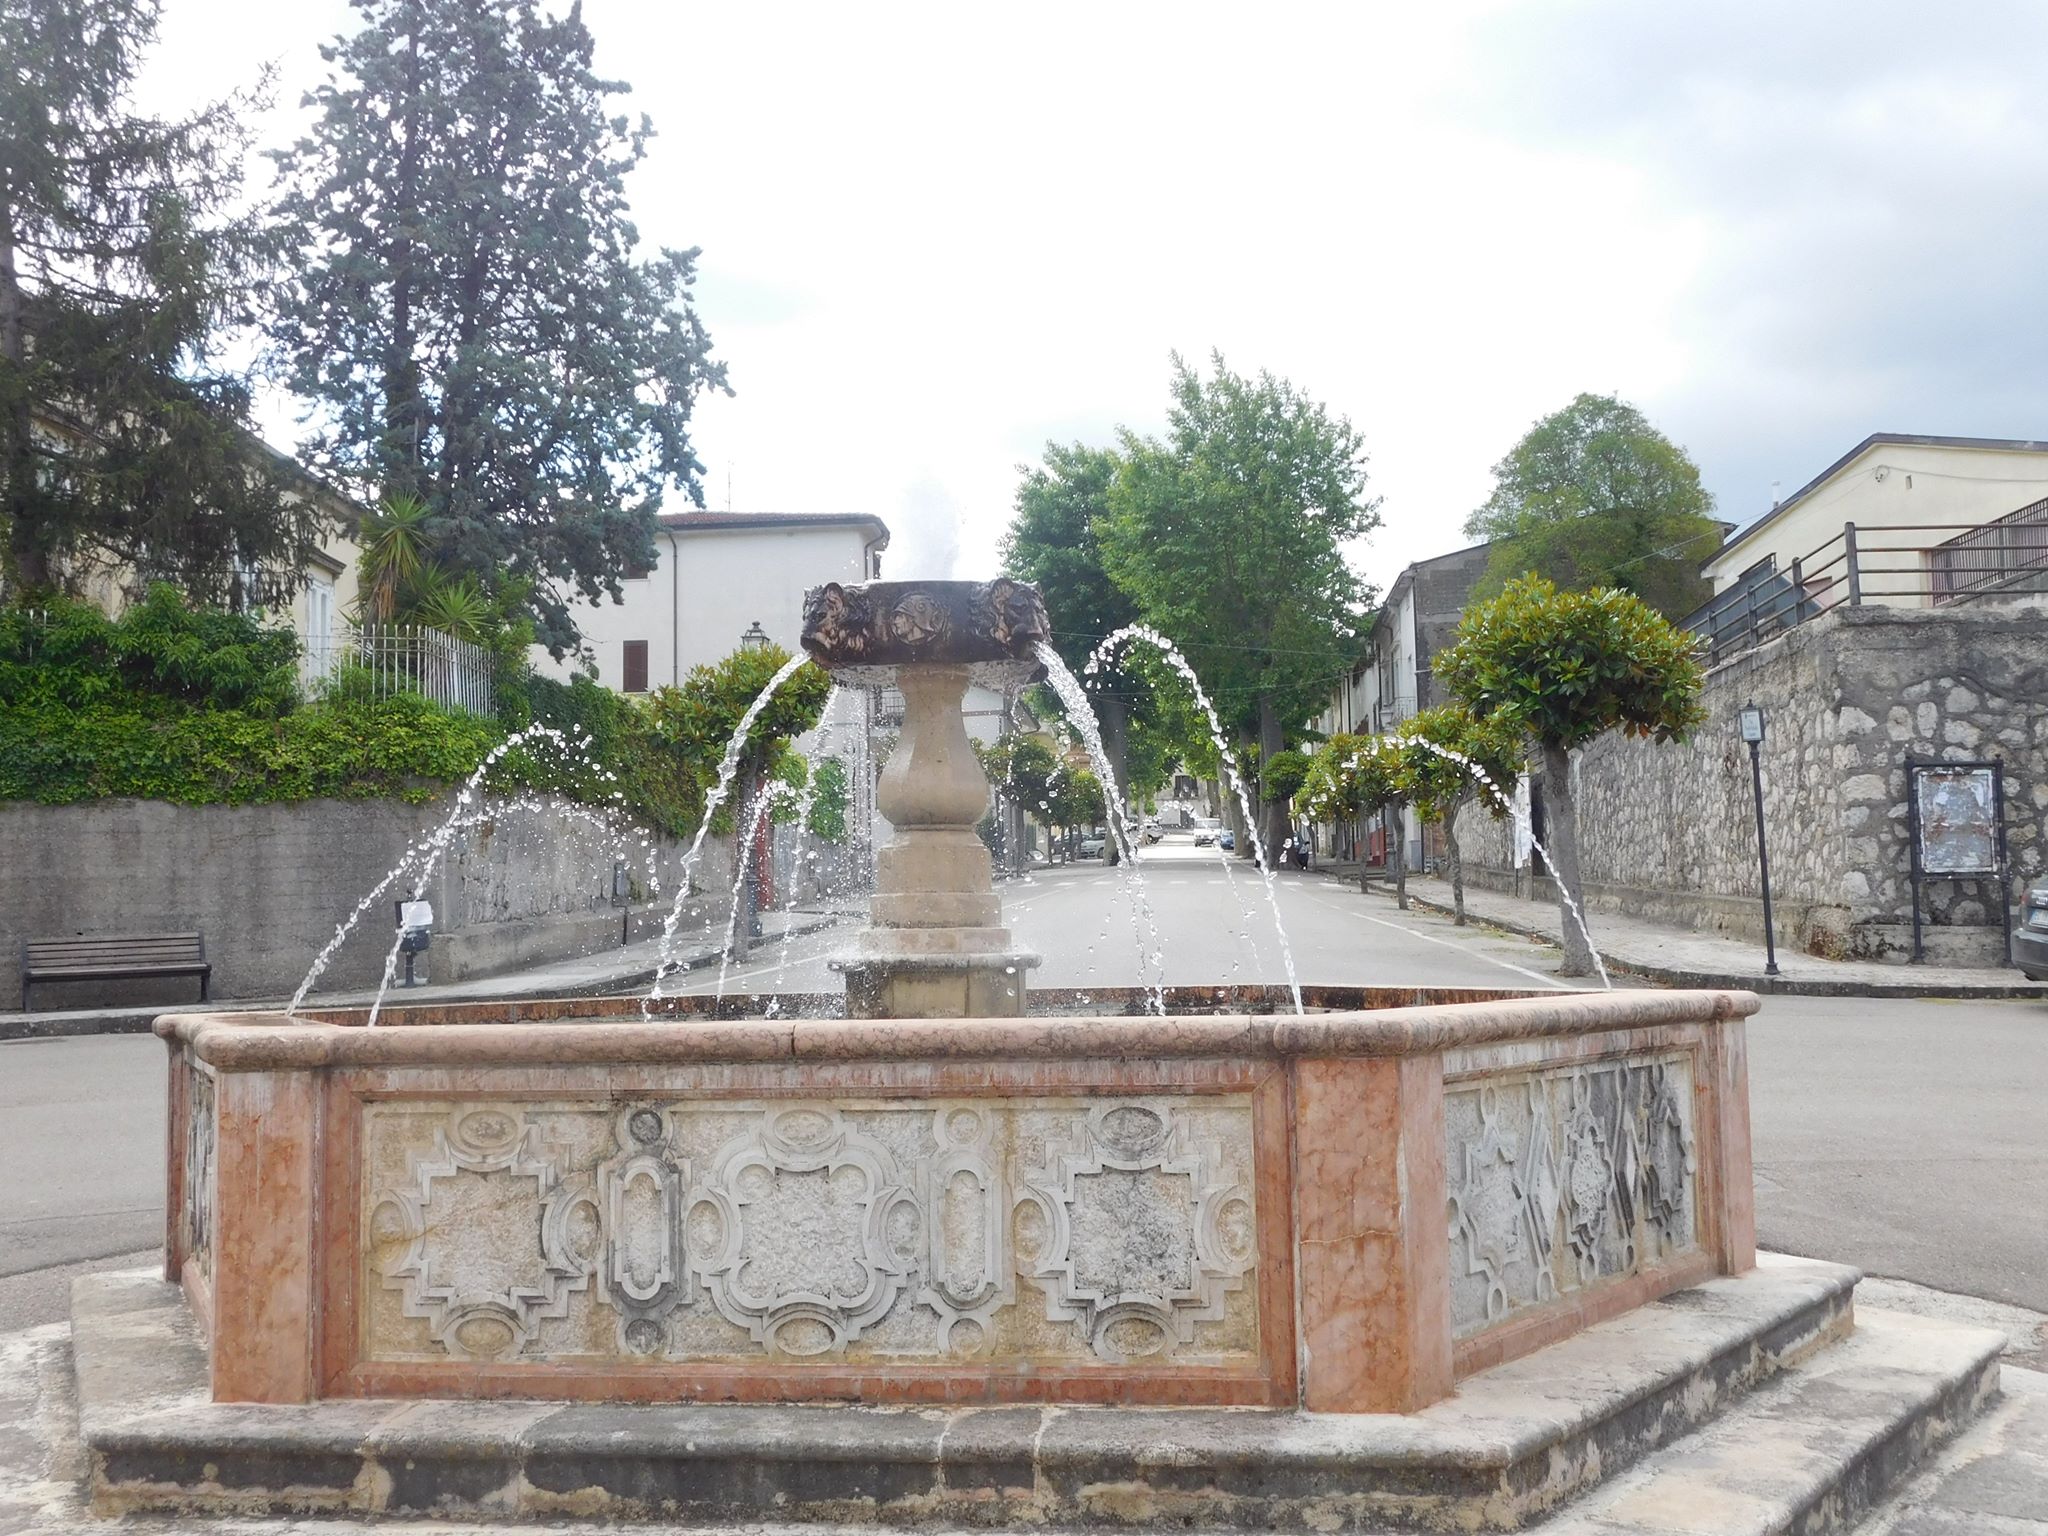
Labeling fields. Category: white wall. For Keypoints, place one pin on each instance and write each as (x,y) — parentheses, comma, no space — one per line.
(707,587)
(1886,486)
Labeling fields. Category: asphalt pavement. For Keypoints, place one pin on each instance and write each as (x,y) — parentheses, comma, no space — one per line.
(1904,1136)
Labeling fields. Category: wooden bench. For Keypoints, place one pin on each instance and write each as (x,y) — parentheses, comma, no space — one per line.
(114,957)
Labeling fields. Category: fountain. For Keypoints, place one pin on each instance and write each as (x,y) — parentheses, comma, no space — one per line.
(946,1260)
(936,947)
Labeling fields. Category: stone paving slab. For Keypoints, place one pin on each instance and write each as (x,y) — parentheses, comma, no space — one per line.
(1814,1450)
(629,967)
(1513,1442)
(1684,957)
(1991,1481)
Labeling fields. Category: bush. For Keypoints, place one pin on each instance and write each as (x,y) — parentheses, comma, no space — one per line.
(161,655)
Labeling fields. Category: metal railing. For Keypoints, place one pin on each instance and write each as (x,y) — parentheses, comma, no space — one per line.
(385,659)
(1892,566)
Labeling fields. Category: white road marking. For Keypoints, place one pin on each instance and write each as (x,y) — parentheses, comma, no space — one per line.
(1550,982)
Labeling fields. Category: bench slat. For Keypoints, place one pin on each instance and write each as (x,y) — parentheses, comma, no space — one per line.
(113,957)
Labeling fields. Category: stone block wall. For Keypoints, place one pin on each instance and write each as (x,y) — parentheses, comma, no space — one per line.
(1669,831)
(522,883)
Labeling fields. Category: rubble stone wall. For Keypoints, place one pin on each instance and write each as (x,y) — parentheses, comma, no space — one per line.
(1668,831)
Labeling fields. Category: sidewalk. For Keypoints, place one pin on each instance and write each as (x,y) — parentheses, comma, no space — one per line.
(626,968)
(1686,957)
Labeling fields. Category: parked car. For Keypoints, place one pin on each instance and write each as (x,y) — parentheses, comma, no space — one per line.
(1205,833)
(1226,840)
(1091,845)
(2030,939)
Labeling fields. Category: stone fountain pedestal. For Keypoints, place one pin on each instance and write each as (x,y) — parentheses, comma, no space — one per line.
(936,947)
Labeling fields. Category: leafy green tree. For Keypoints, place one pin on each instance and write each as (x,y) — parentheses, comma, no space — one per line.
(1052,543)
(1283,775)
(124,435)
(1594,496)
(1353,778)
(831,798)
(1447,759)
(468,304)
(1567,667)
(1229,533)
(699,718)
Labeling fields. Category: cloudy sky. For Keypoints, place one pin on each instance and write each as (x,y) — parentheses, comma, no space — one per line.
(935,237)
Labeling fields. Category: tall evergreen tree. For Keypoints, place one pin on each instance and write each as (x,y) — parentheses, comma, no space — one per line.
(124,438)
(471,307)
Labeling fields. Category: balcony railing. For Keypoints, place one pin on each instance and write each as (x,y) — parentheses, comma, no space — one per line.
(1896,565)
(385,659)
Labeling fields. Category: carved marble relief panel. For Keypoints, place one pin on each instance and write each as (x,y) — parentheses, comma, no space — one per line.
(1048,1229)
(1566,1178)
(196,1217)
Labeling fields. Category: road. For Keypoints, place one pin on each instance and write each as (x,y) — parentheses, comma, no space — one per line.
(1903,1136)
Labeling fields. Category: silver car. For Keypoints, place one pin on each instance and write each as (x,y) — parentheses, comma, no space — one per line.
(2030,938)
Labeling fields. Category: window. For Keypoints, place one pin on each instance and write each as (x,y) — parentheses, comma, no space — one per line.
(636,667)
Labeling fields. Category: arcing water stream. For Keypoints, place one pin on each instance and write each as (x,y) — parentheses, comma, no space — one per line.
(1525,825)
(728,766)
(1144,924)
(1173,657)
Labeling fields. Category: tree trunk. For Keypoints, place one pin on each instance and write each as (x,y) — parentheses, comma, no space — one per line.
(1274,816)
(1563,827)
(27,556)
(1362,849)
(1113,715)
(1397,853)
(1457,866)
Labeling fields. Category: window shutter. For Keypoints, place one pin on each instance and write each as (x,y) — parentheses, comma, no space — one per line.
(636,666)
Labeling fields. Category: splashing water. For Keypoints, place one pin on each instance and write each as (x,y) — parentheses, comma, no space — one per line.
(607,823)
(1172,655)
(728,766)
(806,800)
(764,803)
(1144,925)
(436,847)
(1523,823)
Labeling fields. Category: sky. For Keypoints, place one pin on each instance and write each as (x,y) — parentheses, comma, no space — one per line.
(935,237)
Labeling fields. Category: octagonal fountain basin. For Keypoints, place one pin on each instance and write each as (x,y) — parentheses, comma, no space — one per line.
(1345,1210)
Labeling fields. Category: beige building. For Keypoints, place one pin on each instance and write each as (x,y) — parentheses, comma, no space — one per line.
(1907,498)
(717,574)
(323,594)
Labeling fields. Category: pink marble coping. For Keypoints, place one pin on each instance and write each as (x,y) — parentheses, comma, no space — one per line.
(268,1042)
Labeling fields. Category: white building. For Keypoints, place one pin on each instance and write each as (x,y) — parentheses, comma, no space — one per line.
(1906,496)
(716,574)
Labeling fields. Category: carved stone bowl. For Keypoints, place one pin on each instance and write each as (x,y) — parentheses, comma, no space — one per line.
(863,633)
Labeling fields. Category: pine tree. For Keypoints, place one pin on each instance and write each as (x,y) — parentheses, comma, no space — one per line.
(470,307)
(124,266)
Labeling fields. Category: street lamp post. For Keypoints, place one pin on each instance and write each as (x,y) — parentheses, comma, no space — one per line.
(1750,722)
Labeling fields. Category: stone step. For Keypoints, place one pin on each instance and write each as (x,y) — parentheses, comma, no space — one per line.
(1514,1443)
(1812,1452)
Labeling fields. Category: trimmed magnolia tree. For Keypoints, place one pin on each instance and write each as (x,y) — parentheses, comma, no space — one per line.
(1351,777)
(1447,758)
(1567,667)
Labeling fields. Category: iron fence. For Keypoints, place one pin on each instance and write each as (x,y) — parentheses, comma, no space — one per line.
(383,659)
(1898,565)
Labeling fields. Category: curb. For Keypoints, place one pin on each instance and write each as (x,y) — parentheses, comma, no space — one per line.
(1754,981)
(66,1026)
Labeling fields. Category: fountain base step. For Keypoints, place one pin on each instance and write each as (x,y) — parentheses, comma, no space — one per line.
(1808,1417)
